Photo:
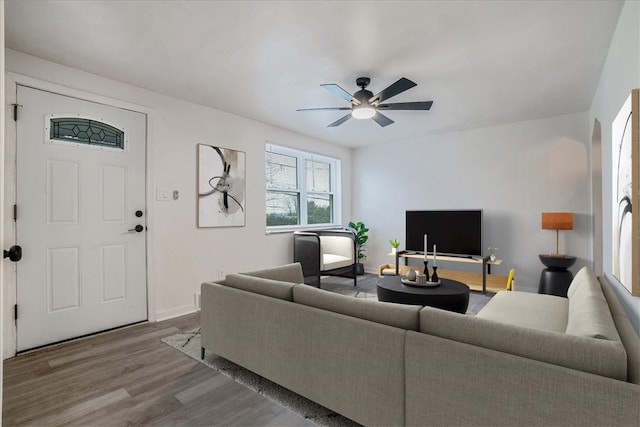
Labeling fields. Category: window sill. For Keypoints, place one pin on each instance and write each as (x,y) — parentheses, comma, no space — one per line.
(291,229)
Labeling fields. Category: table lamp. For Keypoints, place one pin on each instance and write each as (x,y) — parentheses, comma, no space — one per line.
(557,221)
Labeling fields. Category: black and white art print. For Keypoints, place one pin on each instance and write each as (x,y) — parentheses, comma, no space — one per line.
(221,187)
(624,192)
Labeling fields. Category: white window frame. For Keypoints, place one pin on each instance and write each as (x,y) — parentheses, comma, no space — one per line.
(336,184)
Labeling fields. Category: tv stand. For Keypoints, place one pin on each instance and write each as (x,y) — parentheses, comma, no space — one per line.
(455,256)
(475,281)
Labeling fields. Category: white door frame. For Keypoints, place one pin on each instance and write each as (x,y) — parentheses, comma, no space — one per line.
(9,273)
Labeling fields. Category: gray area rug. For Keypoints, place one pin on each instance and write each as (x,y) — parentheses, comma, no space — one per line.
(189,344)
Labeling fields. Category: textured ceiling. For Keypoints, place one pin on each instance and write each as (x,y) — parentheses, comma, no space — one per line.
(482,62)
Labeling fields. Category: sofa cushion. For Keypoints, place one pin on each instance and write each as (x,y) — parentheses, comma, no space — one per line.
(286,273)
(600,357)
(332,261)
(397,315)
(272,288)
(537,311)
(336,252)
(589,313)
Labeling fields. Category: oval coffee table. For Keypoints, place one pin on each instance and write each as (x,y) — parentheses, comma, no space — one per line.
(449,295)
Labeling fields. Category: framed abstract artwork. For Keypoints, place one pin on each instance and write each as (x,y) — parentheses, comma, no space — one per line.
(625,196)
(221,187)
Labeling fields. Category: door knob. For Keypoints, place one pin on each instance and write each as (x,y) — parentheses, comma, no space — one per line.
(14,253)
(138,228)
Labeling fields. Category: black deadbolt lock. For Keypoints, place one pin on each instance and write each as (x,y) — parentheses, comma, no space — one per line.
(138,214)
(14,253)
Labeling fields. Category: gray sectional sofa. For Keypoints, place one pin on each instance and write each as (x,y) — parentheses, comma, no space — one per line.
(525,359)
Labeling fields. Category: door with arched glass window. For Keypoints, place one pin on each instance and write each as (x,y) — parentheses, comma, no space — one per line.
(81,217)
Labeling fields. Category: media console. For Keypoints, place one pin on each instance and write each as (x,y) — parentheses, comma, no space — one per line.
(476,281)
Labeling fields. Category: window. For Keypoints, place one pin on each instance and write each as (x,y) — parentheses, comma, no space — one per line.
(85,131)
(302,189)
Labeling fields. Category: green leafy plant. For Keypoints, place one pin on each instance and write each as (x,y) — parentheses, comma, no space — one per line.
(395,243)
(361,237)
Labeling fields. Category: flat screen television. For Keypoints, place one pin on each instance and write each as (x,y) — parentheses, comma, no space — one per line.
(454,232)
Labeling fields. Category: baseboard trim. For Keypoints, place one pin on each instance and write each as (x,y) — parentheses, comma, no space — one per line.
(175,312)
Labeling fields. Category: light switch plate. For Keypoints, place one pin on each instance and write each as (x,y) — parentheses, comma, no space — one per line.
(163,194)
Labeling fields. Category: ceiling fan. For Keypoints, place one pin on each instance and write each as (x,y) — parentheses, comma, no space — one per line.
(366,105)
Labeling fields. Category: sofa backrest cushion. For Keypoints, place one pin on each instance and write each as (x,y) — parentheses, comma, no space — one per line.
(600,357)
(529,310)
(271,288)
(397,315)
(589,313)
(286,273)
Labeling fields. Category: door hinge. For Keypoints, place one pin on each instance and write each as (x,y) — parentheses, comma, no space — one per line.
(15,111)
(15,312)
(15,213)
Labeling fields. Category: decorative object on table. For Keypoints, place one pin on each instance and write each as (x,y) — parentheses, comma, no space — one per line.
(421,283)
(361,240)
(395,244)
(557,221)
(625,194)
(434,276)
(426,269)
(492,254)
(415,279)
(221,187)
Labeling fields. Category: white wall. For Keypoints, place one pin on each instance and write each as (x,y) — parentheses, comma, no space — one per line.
(181,256)
(513,172)
(621,74)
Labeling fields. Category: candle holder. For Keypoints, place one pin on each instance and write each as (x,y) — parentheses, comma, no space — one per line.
(426,270)
(434,276)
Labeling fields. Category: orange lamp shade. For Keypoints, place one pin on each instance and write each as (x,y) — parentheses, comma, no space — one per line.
(557,221)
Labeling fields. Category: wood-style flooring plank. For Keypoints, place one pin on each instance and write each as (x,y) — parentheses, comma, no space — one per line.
(129,377)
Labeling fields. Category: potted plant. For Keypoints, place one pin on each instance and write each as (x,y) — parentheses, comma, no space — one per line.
(361,239)
(395,244)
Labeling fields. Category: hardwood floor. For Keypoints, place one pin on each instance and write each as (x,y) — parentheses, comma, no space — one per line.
(130,377)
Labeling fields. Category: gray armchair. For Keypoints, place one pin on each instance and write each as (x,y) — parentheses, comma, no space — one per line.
(325,253)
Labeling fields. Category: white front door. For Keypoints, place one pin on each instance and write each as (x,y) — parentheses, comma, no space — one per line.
(80,197)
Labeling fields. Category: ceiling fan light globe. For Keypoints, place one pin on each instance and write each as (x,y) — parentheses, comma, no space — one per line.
(363,112)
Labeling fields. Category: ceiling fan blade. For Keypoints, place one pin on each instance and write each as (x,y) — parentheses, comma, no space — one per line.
(422,105)
(324,109)
(337,90)
(396,88)
(340,121)
(382,120)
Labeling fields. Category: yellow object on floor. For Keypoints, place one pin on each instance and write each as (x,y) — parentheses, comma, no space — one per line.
(511,278)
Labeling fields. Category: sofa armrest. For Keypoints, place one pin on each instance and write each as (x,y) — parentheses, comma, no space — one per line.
(306,251)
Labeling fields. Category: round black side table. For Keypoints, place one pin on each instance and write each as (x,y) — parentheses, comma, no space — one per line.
(555,279)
